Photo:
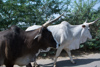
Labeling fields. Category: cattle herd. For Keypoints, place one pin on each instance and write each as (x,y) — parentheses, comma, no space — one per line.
(22,47)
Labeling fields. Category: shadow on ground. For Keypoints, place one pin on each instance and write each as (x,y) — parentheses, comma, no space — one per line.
(78,52)
(67,63)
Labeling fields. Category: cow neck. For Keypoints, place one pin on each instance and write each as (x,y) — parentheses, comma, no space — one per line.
(76,30)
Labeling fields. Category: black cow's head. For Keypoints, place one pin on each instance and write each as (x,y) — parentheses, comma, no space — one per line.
(45,38)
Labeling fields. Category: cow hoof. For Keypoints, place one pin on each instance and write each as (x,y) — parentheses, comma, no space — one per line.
(54,65)
(36,66)
(73,62)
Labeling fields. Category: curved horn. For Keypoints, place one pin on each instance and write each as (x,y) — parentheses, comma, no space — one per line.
(50,22)
(85,21)
(50,18)
(94,21)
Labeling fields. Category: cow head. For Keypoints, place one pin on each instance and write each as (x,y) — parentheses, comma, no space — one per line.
(45,37)
(85,29)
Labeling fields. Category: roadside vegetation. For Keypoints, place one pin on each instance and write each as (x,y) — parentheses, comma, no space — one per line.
(25,13)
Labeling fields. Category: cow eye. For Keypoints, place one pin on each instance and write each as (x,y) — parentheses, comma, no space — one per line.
(83,26)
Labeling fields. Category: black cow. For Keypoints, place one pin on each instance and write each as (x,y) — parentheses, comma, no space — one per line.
(19,47)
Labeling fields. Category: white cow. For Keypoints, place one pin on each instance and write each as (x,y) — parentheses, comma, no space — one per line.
(68,36)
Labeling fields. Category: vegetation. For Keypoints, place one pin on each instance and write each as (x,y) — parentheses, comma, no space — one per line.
(24,13)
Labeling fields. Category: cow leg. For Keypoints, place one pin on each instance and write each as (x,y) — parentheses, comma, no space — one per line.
(8,63)
(35,64)
(29,65)
(69,54)
(57,54)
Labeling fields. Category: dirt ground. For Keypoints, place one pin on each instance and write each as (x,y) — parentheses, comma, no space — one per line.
(82,59)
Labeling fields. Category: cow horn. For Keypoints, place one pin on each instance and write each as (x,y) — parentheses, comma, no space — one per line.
(50,18)
(85,21)
(94,21)
(50,22)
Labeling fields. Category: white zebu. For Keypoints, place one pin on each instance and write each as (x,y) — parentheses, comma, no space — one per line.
(68,36)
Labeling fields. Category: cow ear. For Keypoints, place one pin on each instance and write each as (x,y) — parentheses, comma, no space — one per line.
(39,35)
(83,26)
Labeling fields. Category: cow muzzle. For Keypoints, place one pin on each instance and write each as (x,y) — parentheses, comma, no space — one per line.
(90,37)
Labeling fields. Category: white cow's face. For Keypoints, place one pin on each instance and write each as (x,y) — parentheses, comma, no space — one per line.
(85,29)
(86,33)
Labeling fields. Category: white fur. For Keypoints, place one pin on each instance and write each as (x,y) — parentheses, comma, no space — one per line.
(32,27)
(41,50)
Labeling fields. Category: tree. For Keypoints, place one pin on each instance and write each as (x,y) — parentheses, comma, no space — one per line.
(28,11)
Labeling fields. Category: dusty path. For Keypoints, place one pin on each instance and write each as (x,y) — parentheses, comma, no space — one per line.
(82,59)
